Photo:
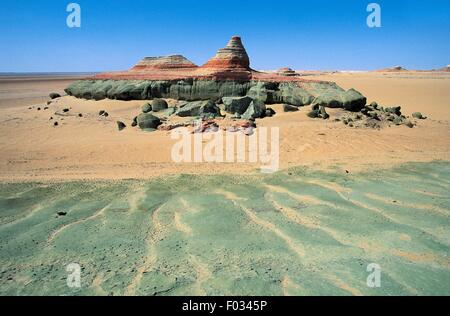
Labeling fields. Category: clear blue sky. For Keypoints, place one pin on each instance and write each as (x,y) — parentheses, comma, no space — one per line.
(313,34)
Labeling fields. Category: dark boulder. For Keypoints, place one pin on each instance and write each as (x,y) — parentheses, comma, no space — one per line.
(394,110)
(147,107)
(256,109)
(148,121)
(313,113)
(121,125)
(270,112)
(289,108)
(159,105)
(236,104)
(54,95)
(352,100)
(199,108)
(419,116)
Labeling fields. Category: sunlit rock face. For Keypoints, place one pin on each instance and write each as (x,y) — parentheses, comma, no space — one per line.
(164,62)
(226,74)
(233,55)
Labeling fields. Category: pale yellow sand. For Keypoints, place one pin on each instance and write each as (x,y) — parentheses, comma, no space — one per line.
(91,147)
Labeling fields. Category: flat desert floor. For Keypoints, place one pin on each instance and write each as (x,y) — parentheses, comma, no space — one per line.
(91,147)
(137,223)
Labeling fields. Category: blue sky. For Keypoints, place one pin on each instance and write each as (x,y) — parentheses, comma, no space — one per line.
(313,34)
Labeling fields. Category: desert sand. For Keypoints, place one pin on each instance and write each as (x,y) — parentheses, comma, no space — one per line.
(91,147)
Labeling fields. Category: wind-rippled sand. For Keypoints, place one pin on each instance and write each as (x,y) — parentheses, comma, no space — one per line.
(297,232)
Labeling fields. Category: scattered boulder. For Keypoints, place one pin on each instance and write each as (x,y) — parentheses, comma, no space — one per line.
(419,116)
(323,114)
(121,125)
(270,112)
(256,109)
(409,124)
(289,108)
(394,110)
(147,121)
(159,105)
(102,112)
(313,113)
(105,114)
(147,107)
(65,110)
(134,123)
(352,100)
(80,115)
(38,109)
(318,111)
(236,104)
(199,108)
(61,213)
(54,95)
(55,124)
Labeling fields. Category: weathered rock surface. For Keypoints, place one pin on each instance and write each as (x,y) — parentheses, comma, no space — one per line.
(289,108)
(226,75)
(164,62)
(256,109)
(199,108)
(148,121)
(233,55)
(147,107)
(236,104)
(159,105)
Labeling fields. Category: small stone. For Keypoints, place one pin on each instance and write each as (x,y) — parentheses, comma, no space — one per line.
(418,116)
(289,108)
(313,114)
(54,95)
(409,124)
(121,125)
(147,107)
(270,112)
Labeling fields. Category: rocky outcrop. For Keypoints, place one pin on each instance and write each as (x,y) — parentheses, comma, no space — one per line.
(200,109)
(227,76)
(231,56)
(164,62)
(287,72)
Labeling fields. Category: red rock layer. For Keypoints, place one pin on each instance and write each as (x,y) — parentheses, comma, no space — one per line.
(230,63)
(231,56)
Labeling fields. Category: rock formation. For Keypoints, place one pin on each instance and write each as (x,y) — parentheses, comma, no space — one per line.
(164,62)
(226,77)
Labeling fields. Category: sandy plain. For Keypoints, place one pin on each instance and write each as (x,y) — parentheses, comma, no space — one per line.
(91,147)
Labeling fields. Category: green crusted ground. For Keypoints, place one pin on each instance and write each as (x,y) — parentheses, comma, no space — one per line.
(298,232)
